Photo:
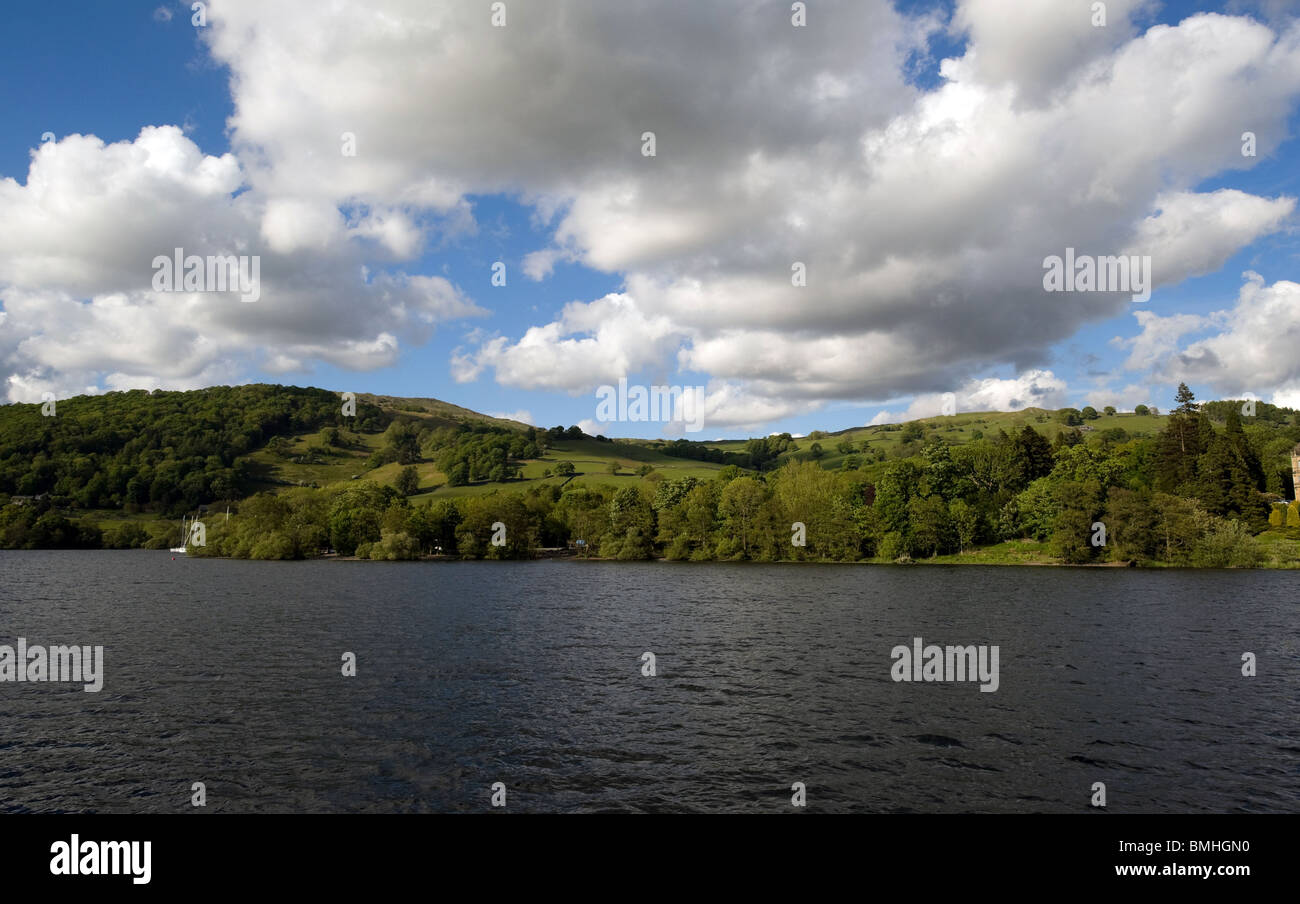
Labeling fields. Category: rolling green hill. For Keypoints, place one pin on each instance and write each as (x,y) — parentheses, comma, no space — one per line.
(146,458)
(436,412)
(301,471)
(132,454)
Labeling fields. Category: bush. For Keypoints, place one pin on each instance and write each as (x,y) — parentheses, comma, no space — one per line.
(635,546)
(131,535)
(396,546)
(1227,544)
(679,549)
(611,545)
(729,549)
(893,546)
(275,545)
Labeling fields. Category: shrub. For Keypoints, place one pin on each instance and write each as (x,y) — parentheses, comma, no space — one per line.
(131,535)
(679,549)
(893,546)
(1227,544)
(395,546)
(275,545)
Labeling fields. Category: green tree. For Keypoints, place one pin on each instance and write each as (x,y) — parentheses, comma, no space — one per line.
(1078,508)
(408,481)
(1030,458)
(931,524)
(1179,525)
(356,516)
(895,489)
(1131,524)
(741,508)
(586,513)
(458,476)
(1185,438)
(894,546)
(701,519)
(965,522)
(940,474)
(631,524)
(1036,509)
(912,431)
(1183,414)
(403,444)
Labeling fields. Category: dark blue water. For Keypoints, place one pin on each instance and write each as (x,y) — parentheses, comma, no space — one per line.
(529,674)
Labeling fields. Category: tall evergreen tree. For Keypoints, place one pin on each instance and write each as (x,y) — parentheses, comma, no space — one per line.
(1240,443)
(1185,410)
(1184,440)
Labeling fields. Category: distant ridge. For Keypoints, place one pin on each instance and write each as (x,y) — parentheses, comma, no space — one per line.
(438,409)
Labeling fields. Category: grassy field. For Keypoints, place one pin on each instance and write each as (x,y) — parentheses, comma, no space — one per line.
(335,466)
(340,465)
(1280,550)
(869,442)
(592,459)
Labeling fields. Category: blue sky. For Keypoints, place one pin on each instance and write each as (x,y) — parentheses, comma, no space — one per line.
(111,70)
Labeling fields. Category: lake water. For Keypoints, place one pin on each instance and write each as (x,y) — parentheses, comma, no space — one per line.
(530,674)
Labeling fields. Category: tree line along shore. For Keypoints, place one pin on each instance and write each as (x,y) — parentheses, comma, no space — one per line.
(1207,489)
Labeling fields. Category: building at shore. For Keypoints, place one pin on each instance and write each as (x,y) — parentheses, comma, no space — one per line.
(1295,471)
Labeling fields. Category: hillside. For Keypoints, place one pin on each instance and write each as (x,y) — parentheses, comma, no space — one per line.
(889,441)
(298,475)
(150,457)
(436,412)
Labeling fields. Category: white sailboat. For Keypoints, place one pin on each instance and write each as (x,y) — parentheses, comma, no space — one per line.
(185,537)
